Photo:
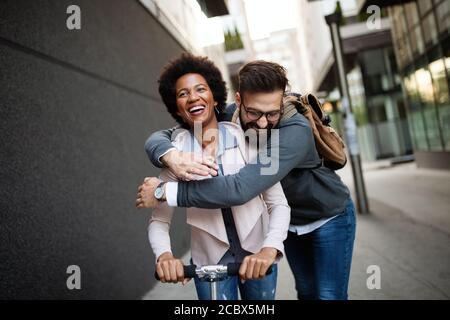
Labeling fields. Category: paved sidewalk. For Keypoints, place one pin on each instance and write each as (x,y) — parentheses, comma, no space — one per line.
(407,235)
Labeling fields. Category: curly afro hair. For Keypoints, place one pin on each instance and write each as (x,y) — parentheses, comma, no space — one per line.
(188,63)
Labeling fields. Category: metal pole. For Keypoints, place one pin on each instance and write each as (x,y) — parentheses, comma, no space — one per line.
(213,289)
(362,203)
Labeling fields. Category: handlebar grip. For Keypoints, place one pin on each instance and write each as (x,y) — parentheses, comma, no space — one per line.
(233,269)
(189,272)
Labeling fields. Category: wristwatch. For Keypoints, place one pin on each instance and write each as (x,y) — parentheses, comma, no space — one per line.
(160,193)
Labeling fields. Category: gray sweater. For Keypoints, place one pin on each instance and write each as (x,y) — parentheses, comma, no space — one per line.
(313,191)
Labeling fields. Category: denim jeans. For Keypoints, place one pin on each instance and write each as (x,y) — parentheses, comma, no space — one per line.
(261,289)
(320,260)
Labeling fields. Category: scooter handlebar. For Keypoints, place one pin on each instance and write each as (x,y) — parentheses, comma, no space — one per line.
(232,270)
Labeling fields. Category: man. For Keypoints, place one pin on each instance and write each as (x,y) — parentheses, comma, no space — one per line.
(320,242)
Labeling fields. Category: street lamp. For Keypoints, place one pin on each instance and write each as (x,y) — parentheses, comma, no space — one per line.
(362,203)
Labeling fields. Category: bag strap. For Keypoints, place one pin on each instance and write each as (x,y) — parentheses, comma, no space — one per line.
(290,104)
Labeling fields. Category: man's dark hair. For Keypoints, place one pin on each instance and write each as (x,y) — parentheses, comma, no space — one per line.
(188,63)
(262,76)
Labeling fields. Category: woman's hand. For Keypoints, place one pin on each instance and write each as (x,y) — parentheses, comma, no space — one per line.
(256,265)
(170,269)
(146,193)
(186,164)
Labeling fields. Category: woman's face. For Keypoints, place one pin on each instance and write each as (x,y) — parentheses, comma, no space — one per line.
(195,100)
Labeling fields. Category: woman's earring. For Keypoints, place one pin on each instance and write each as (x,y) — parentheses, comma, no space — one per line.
(215,108)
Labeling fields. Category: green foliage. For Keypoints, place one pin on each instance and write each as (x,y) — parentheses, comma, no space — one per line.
(233,40)
(338,9)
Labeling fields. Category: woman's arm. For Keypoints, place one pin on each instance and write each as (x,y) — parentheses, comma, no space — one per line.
(255,266)
(279,218)
(159,224)
(168,268)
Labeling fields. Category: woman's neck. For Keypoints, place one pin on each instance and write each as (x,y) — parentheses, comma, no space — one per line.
(209,138)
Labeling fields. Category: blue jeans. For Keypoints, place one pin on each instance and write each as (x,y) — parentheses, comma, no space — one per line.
(320,260)
(261,289)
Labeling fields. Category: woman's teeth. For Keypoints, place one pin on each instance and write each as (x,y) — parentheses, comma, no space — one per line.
(196,110)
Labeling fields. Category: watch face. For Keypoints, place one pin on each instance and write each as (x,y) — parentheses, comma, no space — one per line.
(159,193)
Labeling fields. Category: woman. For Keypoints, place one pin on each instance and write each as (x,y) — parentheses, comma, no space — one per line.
(193,92)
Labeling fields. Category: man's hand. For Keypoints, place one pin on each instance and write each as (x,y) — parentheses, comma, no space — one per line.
(256,265)
(185,164)
(146,193)
(170,269)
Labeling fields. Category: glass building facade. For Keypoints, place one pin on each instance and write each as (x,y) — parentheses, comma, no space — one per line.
(378,105)
(420,34)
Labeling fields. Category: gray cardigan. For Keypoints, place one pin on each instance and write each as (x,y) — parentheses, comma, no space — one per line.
(313,191)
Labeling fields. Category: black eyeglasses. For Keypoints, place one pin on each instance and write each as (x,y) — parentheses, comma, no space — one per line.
(254,115)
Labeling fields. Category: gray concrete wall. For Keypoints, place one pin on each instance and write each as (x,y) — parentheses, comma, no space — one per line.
(75,110)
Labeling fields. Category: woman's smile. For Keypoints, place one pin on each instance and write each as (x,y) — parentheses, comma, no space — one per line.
(197,110)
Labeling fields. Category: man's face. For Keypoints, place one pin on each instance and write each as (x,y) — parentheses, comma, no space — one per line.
(260,111)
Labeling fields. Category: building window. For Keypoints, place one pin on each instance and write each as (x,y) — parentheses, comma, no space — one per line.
(426,93)
(426,80)
(429,29)
(424,6)
(443,16)
(415,116)
(407,53)
(412,16)
(413,28)
(400,36)
(437,69)
(417,45)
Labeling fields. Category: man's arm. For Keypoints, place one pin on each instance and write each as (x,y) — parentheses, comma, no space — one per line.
(184,165)
(296,147)
(159,144)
